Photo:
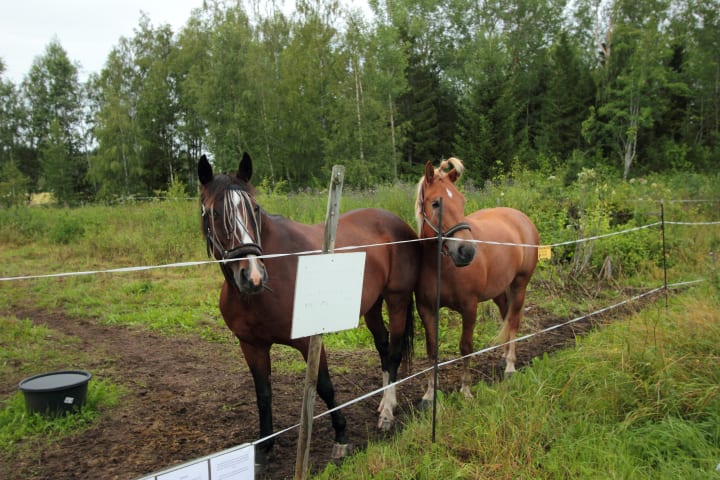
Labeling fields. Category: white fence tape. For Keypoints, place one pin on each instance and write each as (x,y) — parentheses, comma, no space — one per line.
(338,249)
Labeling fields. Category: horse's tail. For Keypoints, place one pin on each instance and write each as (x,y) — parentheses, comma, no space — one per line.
(408,339)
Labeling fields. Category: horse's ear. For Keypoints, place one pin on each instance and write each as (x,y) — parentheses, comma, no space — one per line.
(429,171)
(245,169)
(454,175)
(205,173)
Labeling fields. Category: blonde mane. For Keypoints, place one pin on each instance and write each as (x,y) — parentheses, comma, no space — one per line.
(440,172)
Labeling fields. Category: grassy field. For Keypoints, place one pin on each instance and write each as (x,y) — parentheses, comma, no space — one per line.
(638,399)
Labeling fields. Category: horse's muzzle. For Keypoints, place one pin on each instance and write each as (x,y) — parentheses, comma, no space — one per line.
(462,253)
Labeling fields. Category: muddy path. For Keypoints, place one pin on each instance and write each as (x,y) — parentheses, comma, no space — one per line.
(188,398)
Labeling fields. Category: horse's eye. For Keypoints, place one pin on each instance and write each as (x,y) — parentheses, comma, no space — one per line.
(435,204)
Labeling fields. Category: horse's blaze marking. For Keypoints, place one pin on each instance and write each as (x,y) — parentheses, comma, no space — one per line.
(239,210)
(449,192)
(255,276)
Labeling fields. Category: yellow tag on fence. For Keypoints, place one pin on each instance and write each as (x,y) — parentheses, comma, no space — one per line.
(544,253)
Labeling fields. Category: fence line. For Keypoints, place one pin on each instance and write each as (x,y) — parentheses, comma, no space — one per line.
(692,223)
(338,249)
(498,346)
(446,363)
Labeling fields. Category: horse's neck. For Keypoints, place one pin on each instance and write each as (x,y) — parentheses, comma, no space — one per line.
(282,235)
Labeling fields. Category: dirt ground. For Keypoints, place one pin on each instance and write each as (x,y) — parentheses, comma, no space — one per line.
(189,398)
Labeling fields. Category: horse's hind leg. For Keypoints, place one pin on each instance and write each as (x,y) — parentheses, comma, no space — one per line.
(326,391)
(390,356)
(511,305)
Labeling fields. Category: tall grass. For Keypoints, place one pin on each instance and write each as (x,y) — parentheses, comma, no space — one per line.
(42,240)
(639,399)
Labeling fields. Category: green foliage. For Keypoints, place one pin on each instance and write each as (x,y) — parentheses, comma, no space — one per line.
(22,224)
(66,231)
(13,185)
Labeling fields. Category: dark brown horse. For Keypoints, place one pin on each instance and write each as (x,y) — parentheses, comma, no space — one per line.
(256,299)
(472,270)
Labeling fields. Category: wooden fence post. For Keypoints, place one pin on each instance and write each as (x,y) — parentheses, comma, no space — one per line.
(313,360)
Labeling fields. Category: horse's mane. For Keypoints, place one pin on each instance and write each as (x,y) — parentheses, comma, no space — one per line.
(224,181)
(441,171)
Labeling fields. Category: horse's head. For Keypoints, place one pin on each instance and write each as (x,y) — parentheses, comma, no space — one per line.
(435,189)
(231,222)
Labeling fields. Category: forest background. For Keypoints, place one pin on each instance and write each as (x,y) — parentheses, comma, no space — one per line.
(624,86)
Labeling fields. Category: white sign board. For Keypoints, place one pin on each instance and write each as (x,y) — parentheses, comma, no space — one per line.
(328,291)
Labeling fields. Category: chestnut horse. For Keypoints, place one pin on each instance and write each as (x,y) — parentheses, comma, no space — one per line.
(257,296)
(473,267)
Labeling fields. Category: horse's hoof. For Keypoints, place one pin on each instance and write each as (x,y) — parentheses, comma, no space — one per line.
(385,424)
(508,375)
(466,392)
(424,405)
(341,450)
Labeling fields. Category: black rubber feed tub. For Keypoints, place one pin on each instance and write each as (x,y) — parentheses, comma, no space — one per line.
(55,393)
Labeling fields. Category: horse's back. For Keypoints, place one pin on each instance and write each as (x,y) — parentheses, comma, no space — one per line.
(379,222)
(504,224)
(392,255)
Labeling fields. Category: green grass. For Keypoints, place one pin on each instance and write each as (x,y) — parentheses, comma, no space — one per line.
(17,424)
(24,346)
(25,349)
(638,399)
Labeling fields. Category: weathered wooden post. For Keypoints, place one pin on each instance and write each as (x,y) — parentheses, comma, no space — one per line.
(313,361)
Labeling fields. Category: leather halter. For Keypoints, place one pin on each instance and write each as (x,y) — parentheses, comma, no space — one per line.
(450,231)
(447,233)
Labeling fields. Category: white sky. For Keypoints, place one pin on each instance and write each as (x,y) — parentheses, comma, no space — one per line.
(86,29)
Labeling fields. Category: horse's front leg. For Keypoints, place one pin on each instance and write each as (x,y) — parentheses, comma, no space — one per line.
(258,360)
(512,309)
(469,317)
(390,349)
(429,320)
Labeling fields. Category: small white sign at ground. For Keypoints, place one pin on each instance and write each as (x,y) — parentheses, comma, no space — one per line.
(328,291)
(195,471)
(235,465)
